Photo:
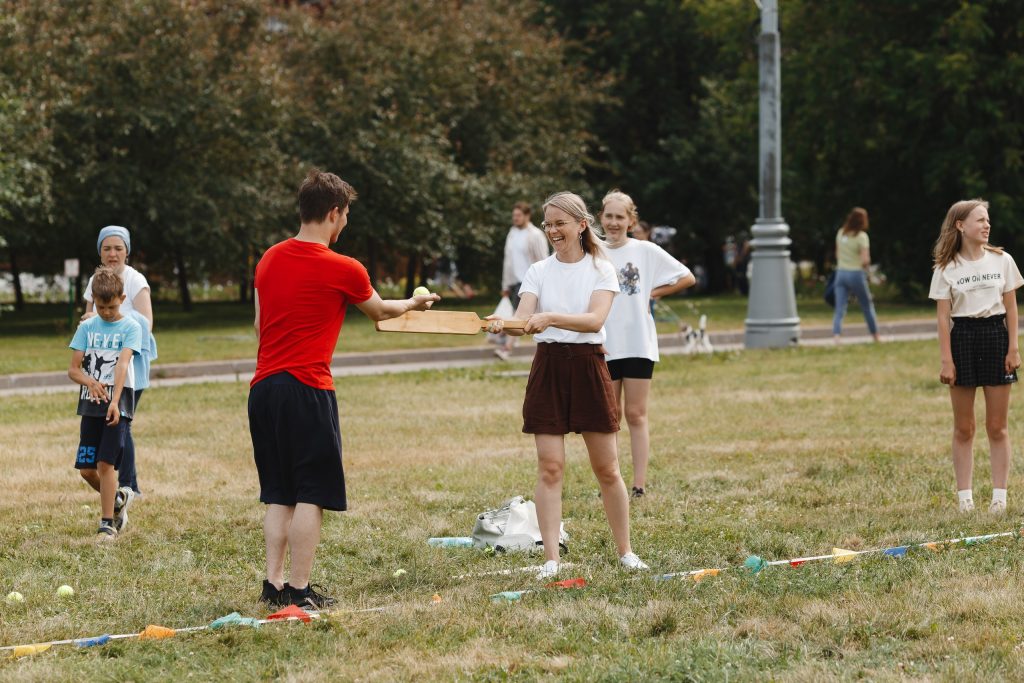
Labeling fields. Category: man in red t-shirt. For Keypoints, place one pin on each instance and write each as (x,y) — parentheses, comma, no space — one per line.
(302,291)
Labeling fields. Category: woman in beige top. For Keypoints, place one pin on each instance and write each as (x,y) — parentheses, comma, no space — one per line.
(853,259)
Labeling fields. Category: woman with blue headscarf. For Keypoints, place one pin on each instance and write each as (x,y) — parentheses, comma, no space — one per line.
(114,244)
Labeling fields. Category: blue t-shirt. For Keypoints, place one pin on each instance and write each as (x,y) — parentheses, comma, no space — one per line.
(102,343)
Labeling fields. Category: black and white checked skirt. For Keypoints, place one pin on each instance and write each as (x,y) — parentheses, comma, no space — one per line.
(979,348)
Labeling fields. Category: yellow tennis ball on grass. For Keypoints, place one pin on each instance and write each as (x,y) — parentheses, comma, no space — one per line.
(65,591)
(15,596)
(420,291)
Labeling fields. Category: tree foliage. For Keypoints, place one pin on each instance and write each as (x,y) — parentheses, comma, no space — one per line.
(192,122)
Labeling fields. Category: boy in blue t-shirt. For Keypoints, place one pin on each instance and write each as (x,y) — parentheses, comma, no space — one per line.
(102,363)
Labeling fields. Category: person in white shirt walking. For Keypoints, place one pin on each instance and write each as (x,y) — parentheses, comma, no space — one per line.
(974,287)
(645,271)
(525,244)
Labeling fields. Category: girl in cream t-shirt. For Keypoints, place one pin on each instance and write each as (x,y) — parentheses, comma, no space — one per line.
(974,287)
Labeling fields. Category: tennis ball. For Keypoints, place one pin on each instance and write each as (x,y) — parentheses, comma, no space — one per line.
(15,596)
(398,572)
(420,291)
(65,591)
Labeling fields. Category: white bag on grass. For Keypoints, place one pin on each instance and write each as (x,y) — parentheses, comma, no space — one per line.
(511,527)
(504,310)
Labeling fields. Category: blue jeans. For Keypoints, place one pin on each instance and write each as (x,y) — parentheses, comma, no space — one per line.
(853,282)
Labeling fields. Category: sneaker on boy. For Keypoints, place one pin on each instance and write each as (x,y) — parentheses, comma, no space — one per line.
(308,598)
(122,499)
(274,596)
(106,532)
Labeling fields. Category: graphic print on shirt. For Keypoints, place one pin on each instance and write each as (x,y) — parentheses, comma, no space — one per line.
(629,279)
(100,362)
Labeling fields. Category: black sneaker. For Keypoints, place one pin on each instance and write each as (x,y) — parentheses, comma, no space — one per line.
(637,492)
(308,597)
(273,596)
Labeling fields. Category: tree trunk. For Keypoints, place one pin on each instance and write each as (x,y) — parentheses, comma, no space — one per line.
(186,298)
(410,273)
(19,296)
(243,279)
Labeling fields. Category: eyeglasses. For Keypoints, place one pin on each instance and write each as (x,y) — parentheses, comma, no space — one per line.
(557,225)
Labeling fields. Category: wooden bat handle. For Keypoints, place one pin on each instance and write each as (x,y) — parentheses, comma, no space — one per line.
(508,324)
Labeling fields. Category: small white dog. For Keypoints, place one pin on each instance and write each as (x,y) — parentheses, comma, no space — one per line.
(696,341)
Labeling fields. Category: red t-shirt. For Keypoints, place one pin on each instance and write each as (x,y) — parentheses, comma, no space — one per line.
(304,289)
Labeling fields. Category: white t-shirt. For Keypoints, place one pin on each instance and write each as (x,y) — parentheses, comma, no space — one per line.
(519,251)
(134,282)
(976,288)
(640,267)
(566,288)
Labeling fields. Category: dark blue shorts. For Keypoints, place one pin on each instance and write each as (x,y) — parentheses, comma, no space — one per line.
(99,442)
(296,443)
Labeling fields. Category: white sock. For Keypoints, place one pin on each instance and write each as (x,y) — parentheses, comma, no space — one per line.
(999,496)
(968,494)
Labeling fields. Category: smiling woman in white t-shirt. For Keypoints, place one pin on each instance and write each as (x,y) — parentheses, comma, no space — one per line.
(974,287)
(565,300)
(645,271)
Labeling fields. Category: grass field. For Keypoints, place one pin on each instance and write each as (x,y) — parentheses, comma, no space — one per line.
(779,454)
(36,340)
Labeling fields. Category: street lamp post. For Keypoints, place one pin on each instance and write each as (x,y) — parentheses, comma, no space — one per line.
(771,309)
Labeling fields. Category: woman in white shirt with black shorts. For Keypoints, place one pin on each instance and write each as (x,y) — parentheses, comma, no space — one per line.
(974,287)
(645,272)
(565,299)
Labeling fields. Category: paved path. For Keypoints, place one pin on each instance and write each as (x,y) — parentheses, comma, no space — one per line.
(412,360)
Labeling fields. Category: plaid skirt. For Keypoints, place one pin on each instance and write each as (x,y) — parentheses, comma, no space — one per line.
(979,347)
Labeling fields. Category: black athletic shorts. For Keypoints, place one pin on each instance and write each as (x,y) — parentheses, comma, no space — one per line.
(296,443)
(979,347)
(631,368)
(100,442)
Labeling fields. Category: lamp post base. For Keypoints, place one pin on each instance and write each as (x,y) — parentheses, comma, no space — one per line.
(772,321)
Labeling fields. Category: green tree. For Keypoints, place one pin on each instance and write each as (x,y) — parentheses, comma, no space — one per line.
(442,114)
(167,120)
(903,108)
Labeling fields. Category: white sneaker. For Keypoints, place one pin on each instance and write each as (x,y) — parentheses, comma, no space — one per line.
(501,353)
(967,505)
(997,507)
(122,499)
(549,570)
(632,562)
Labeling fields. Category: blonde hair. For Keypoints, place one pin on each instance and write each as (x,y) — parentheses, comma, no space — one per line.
(947,247)
(627,201)
(574,205)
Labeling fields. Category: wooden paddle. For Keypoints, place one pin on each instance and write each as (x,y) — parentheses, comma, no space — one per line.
(442,322)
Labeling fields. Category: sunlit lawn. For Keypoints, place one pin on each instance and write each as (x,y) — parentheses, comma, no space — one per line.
(779,454)
(36,340)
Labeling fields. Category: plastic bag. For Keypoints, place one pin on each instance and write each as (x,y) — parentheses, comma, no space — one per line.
(504,310)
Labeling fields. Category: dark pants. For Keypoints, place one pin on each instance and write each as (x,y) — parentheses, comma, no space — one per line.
(126,475)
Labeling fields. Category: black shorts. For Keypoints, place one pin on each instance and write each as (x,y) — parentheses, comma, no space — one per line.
(569,390)
(631,368)
(979,347)
(296,443)
(100,442)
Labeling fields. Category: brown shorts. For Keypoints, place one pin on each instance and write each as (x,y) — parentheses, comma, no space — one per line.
(569,390)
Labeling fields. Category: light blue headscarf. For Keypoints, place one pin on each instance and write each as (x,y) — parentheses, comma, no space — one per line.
(117,230)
